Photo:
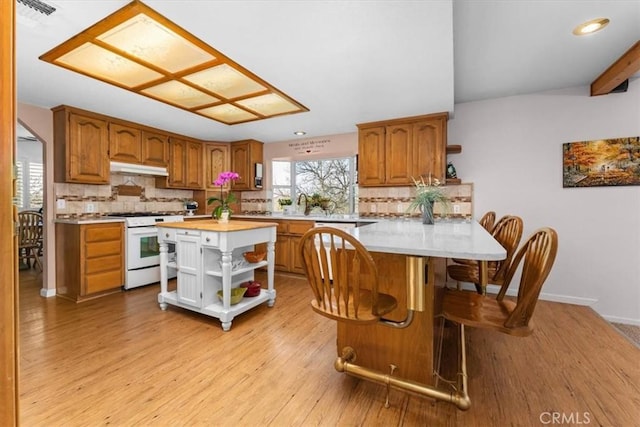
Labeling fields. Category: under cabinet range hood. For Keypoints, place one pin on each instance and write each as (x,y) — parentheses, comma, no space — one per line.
(131,168)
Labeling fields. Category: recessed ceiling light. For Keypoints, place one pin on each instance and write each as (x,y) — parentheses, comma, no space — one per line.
(299,132)
(590,27)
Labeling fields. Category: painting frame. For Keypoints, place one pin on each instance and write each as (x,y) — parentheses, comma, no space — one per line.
(601,162)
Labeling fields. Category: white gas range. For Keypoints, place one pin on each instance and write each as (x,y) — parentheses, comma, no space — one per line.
(142,252)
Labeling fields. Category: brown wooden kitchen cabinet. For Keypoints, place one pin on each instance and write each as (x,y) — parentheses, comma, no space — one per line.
(81,147)
(125,143)
(244,157)
(185,165)
(155,149)
(289,233)
(216,160)
(90,260)
(393,152)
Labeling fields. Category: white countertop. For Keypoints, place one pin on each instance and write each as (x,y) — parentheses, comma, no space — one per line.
(466,240)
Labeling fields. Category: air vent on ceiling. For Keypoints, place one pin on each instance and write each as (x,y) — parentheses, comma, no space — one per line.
(32,12)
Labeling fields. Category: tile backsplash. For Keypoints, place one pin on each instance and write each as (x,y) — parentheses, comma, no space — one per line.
(80,198)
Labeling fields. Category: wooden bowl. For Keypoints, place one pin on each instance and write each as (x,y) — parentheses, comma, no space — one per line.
(236,295)
(254,257)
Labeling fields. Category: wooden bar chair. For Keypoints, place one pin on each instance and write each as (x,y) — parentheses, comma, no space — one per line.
(30,237)
(506,316)
(343,277)
(508,232)
(488,221)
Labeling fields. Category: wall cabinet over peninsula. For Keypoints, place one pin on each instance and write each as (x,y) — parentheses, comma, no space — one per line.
(392,152)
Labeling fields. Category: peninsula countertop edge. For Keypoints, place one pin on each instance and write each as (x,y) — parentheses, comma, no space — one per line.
(465,240)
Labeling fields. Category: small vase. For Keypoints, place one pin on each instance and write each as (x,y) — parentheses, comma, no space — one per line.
(225,214)
(427,213)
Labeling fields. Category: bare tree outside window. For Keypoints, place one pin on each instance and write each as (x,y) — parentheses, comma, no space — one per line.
(331,179)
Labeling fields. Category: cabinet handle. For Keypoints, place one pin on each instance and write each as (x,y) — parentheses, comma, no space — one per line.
(166,235)
(207,239)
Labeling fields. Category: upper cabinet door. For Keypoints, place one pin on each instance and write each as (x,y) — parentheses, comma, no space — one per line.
(125,143)
(244,157)
(87,148)
(193,165)
(155,149)
(430,148)
(216,160)
(371,153)
(398,154)
(177,154)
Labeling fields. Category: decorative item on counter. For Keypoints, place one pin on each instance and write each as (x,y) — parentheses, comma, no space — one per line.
(451,171)
(428,193)
(236,295)
(190,206)
(223,212)
(286,205)
(253,288)
(322,202)
(254,257)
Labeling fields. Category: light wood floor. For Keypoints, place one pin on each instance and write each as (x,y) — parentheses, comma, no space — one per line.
(122,361)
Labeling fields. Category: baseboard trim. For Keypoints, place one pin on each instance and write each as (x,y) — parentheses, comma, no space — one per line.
(47,293)
(493,289)
(623,320)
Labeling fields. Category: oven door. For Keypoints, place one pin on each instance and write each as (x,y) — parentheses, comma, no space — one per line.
(143,249)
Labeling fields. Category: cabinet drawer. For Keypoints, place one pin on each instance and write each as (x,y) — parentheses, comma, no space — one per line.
(167,235)
(103,281)
(106,263)
(300,227)
(209,238)
(101,234)
(100,249)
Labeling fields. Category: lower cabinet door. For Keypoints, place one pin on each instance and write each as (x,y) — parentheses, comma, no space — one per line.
(188,260)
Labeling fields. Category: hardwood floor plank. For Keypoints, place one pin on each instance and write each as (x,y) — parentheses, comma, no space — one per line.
(122,361)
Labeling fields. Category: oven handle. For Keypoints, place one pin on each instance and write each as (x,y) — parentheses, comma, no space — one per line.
(143,230)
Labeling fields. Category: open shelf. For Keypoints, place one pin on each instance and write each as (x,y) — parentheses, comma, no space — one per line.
(454,149)
(248,267)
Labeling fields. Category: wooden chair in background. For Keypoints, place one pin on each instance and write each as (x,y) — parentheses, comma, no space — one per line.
(508,232)
(506,316)
(30,237)
(488,221)
(336,277)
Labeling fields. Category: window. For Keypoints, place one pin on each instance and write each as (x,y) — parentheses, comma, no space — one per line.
(332,179)
(29,185)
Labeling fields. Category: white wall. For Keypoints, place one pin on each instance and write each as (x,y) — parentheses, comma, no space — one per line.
(512,152)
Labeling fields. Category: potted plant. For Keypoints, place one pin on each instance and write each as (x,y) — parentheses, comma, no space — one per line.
(285,204)
(428,193)
(222,212)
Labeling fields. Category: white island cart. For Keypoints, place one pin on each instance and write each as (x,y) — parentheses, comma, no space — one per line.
(208,259)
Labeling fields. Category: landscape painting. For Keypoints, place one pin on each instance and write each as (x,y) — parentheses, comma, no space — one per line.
(604,162)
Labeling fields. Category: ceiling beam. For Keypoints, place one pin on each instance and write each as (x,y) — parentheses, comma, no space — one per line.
(626,66)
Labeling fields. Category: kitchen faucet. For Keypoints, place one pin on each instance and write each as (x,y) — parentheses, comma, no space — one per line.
(307,208)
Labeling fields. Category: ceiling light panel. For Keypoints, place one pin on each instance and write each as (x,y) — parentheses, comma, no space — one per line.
(268,105)
(138,49)
(226,82)
(228,114)
(180,94)
(105,65)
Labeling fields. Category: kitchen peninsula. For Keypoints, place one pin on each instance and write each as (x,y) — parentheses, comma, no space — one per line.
(209,259)
(411,261)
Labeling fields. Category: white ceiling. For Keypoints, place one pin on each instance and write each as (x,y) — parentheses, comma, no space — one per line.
(348,61)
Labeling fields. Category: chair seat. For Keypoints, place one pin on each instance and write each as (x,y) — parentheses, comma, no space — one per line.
(386,304)
(472,309)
